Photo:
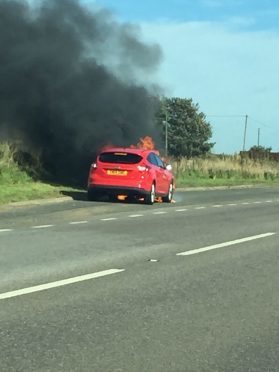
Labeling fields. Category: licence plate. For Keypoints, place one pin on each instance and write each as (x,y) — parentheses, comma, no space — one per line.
(114,172)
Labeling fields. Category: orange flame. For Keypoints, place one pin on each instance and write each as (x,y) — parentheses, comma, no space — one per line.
(145,143)
(121,197)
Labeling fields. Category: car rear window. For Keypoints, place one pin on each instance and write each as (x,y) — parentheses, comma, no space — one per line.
(119,157)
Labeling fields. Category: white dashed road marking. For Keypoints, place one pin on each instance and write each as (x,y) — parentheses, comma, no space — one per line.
(226,244)
(154,213)
(41,226)
(77,222)
(59,283)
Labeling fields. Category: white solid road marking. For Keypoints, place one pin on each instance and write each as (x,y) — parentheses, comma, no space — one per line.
(135,215)
(77,222)
(5,230)
(59,283)
(108,219)
(41,226)
(226,244)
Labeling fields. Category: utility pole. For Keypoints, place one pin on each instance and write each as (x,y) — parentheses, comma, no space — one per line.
(259,131)
(245,130)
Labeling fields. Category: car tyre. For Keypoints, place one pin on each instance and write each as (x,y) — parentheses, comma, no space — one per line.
(169,196)
(150,197)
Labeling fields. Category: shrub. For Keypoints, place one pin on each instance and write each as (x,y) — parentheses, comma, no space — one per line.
(10,172)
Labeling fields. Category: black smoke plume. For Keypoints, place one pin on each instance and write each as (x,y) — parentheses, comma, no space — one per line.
(72,79)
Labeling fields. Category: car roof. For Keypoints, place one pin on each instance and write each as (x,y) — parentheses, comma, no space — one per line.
(130,150)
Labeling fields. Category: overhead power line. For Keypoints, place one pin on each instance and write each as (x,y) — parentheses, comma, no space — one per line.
(251,118)
(225,116)
(262,124)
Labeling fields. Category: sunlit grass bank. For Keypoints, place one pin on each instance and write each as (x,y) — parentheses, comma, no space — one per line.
(17,185)
(28,191)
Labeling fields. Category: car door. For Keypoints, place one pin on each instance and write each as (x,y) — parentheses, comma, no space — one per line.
(163,175)
(158,172)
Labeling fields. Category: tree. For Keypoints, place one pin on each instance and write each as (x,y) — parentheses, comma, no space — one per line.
(261,149)
(188,131)
(259,152)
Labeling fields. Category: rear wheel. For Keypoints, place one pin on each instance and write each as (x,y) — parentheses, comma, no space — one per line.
(150,197)
(169,196)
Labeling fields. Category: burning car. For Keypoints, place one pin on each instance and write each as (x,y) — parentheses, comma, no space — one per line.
(132,172)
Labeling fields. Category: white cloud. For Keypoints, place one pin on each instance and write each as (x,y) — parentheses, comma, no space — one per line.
(227,71)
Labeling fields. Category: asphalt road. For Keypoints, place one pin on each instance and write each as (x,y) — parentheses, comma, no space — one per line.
(190,286)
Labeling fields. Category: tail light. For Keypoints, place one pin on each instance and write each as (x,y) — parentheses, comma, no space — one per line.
(93,166)
(143,168)
(92,169)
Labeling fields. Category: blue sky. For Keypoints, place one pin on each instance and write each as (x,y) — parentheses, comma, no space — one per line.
(265,12)
(224,54)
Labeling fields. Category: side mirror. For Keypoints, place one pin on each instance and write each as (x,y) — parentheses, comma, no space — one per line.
(168,167)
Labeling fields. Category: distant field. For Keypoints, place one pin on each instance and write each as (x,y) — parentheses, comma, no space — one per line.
(226,170)
(17,184)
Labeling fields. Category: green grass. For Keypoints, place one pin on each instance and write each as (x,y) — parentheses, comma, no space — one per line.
(195,181)
(30,191)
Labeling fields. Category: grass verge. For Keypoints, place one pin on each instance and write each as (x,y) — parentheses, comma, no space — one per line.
(190,181)
(30,191)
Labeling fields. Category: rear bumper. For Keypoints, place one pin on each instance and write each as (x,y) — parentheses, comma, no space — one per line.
(117,190)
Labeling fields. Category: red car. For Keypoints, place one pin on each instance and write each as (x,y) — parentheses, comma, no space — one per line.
(132,172)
